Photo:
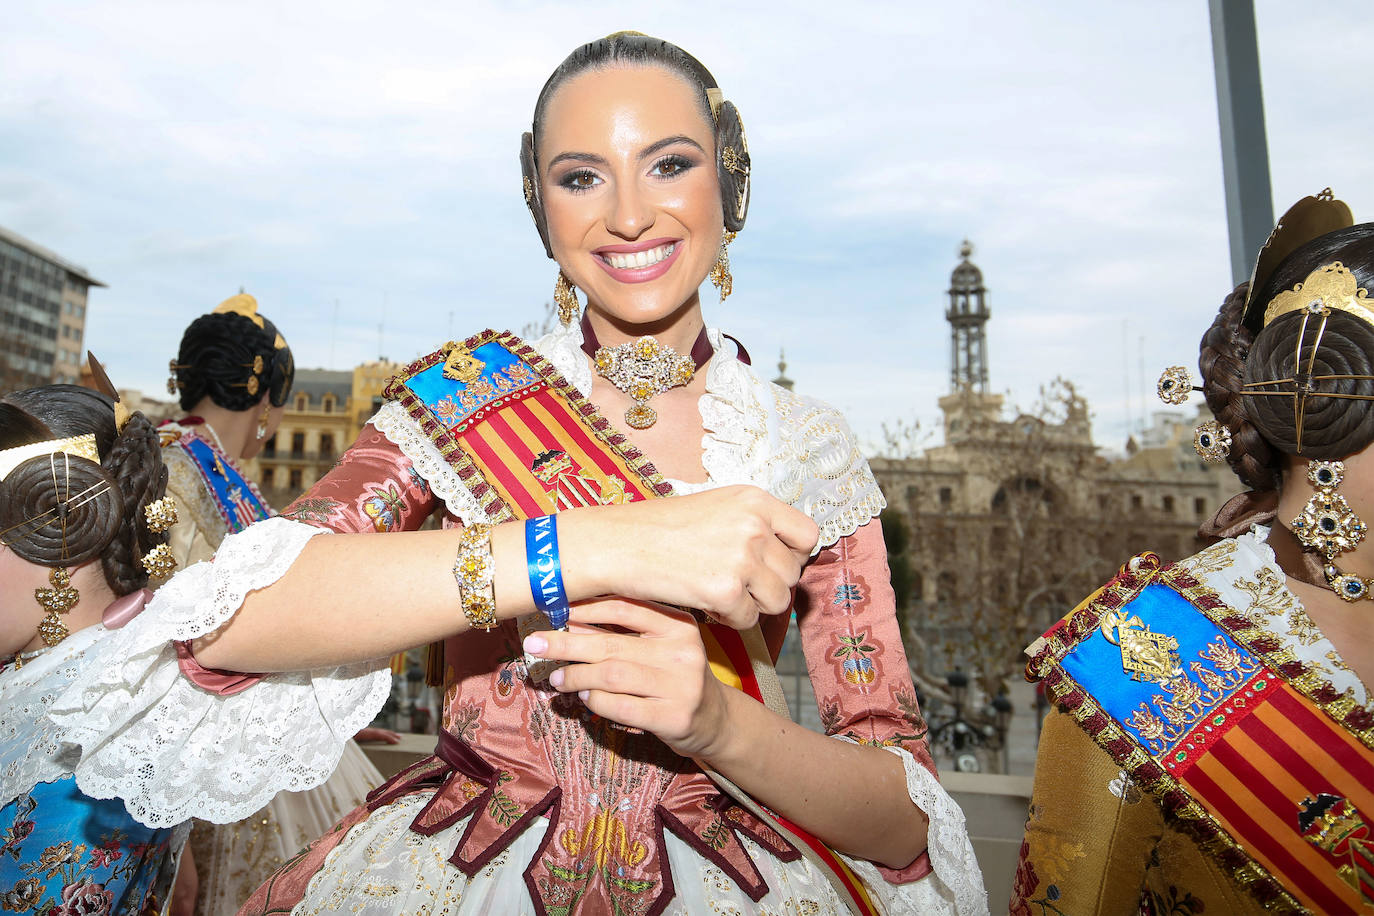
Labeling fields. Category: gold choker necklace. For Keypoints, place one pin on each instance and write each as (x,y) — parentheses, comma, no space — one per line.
(643,368)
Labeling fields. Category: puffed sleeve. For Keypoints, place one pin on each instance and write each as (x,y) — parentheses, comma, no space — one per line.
(142,719)
(864,693)
(373,487)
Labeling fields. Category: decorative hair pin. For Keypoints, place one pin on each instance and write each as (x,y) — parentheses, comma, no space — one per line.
(161,514)
(1211,440)
(158,562)
(1331,287)
(175,384)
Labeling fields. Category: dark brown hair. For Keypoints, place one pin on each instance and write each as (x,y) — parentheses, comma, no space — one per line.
(47,524)
(1264,429)
(216,359)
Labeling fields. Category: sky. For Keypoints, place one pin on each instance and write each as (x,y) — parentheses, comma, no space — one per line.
(354,166)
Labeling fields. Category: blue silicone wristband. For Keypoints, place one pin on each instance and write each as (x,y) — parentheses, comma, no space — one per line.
(546,570)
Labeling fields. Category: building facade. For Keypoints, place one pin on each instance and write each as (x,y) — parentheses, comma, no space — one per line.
(1012,520)
(325,413)
(43,299)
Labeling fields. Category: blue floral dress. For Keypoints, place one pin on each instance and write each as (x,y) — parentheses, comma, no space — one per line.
(63,853)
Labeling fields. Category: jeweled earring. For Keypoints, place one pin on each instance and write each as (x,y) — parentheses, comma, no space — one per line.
(1329,526)
(565,297)
(720,273)
(263,419)
(57,600)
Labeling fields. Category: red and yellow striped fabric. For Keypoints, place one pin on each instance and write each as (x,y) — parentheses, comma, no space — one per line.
(1255,780)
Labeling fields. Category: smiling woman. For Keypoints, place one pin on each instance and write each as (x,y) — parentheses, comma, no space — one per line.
(605,749)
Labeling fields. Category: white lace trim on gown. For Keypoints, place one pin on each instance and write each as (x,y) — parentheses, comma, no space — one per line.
(31,745)
(171,750)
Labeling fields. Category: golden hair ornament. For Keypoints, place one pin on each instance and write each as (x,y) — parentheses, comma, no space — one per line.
(1331,287)
(77,446)
(161,514)
(158,562)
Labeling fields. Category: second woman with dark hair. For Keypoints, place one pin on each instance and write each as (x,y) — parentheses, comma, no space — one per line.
(83,523)
(233,374)
(1213,746)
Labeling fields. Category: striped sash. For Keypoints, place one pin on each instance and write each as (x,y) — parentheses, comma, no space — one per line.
(1252,750)
(526,443)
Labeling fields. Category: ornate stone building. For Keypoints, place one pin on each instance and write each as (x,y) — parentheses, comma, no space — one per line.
(1014,519)
(326,412)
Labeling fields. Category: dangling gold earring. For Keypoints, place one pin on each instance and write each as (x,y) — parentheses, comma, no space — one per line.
(565,297)
(262,420)
(57,600)
(720,274)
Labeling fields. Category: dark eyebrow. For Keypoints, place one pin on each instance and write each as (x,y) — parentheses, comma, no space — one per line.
(669,141)
(651,149)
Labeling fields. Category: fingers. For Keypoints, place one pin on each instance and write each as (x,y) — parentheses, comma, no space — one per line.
(794,528)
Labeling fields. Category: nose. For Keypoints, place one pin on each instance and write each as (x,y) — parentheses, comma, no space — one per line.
(631,212)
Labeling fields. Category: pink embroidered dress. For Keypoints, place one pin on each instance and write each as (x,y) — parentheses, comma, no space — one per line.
(530,805)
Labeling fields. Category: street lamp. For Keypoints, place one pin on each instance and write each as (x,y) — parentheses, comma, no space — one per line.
(1002,710)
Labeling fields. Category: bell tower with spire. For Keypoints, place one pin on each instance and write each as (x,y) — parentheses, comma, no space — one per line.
(968,317)
(969,406)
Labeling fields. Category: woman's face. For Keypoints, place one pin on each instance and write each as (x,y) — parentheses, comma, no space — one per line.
(628,179)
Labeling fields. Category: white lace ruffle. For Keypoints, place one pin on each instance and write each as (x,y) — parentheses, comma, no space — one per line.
(31,747)
(797,448)
(393,422)
(955,884)
(171,750)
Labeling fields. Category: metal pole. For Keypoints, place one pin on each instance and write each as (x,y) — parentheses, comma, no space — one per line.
(1244,146)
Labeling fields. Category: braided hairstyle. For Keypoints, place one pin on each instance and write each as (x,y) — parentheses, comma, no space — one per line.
(111,526)
(1264,429)
(217,359)
(636,49)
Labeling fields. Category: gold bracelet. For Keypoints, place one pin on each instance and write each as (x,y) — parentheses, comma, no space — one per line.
(473,570)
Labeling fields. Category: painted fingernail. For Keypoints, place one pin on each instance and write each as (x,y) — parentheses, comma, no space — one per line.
(583,694)
(536,645)
(556,678)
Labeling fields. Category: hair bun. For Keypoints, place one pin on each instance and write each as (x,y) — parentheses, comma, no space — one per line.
(1331,427)
(59,510)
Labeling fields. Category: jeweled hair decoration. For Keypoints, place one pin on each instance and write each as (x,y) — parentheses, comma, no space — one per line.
(161,514)
(158,562)
(1211,440)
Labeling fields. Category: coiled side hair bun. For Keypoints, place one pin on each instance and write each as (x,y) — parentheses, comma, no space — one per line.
(81,510)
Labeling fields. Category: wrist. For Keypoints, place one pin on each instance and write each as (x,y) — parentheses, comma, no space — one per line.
(597,560)
(719,703)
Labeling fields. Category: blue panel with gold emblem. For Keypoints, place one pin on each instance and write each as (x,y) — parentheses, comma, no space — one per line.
(1157,666)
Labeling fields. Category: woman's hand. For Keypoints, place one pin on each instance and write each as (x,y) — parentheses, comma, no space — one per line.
(733,552)
(654,677)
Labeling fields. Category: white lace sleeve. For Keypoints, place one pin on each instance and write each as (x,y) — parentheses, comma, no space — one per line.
(797,448)
(955,884)
(172,750)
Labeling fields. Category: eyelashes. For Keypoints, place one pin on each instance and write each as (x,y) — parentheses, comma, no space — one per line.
(665,168)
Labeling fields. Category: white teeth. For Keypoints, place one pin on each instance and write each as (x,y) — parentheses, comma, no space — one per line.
(640,258)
